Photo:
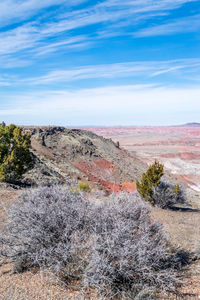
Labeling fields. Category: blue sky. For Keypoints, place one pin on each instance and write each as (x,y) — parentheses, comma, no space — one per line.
(105,62)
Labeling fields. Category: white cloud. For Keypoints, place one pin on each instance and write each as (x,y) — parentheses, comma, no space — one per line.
(188,24)
(34,36)
(12,10)
(8,62)
(13,112)
(73,42)
(143,69)
(144,72)
(15,10)
(114,105)
(113,12)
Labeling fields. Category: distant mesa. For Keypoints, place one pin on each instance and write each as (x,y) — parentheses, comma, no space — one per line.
(192,124)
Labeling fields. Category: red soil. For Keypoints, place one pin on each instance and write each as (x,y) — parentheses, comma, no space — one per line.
(184,156)
(96,176)
(90,169)
(190,156)
(111,187)
(184,149)
(104,165)
(195,133)
(129,186)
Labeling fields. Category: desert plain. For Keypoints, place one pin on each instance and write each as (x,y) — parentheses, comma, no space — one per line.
(177,147)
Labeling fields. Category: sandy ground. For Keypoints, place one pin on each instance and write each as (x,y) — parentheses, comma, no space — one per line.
(182,226)
(184,232)
(30,286)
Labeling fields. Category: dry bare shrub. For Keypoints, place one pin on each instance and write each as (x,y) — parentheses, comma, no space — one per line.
(114,247)
(48,228)
(130,255)
(166,195)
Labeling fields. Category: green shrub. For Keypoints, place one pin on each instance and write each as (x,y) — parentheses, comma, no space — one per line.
(15,157)
(150,180)
(84,187)
(157,192)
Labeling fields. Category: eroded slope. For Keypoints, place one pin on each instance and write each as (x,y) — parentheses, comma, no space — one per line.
(81,154)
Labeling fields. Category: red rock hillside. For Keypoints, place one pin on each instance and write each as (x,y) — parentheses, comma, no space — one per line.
(83,155)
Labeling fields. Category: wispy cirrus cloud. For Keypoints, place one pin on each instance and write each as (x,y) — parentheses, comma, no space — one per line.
(32,37)
(71,43)
(12,11)
(144,69)
(9,62)
(47,35)
(183,25)
(111,12)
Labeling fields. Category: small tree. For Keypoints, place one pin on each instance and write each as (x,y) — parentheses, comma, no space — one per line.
(157,192)
(150,180)
(15,157)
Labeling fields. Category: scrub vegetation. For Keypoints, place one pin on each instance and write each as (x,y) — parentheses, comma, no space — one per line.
(113,247)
